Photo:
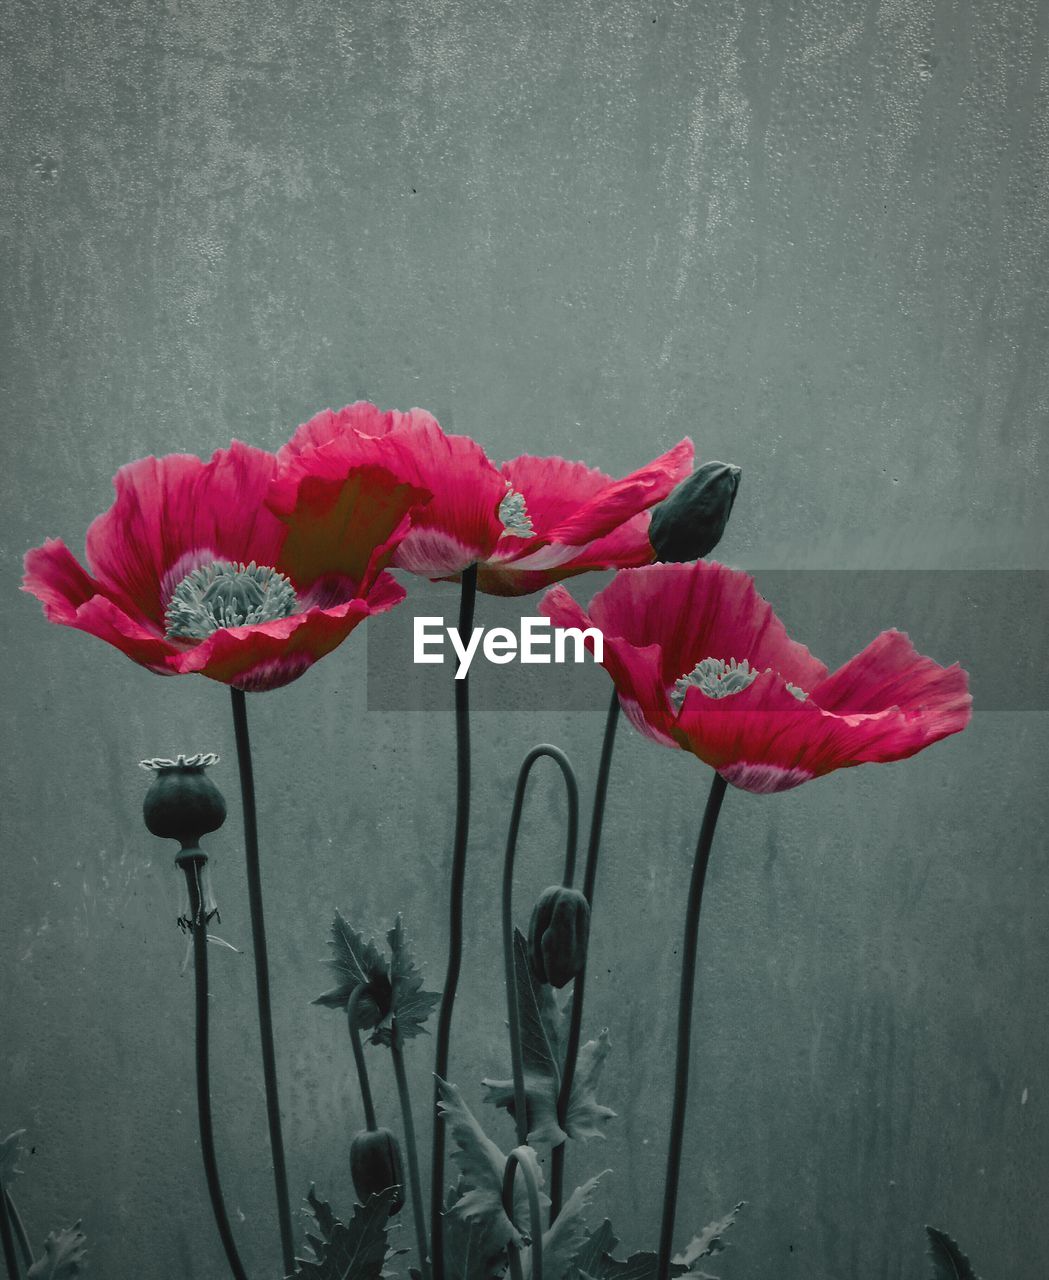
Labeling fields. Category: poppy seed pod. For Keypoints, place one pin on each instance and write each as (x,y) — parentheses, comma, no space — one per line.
(183,803)
(557,935)
(375,1166)
(689,523)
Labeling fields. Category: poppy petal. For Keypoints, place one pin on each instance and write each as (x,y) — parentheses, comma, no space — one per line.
(175,513)
(272,654)
(342,520)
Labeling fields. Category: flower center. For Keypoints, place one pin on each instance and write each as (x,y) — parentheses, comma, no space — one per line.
(800,694)
(514,515)
(227,594)
(714,677)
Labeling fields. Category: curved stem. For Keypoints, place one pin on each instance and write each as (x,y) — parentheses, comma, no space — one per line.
(370,1122)
(684,1021)
(262,976)
(575,1026)
(20,1231)
(410,1149)
(521,1158)
(192,864)
(559,757)
(7,1239)
(467,600)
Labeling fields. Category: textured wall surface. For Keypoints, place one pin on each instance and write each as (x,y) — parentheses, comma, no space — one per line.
(812,235)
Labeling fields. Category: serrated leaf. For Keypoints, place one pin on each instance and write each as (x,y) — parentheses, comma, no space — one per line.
(63,1255)
(709,1241)
(353,1251)
(356,961)
(11,1151)
(482,1164)
(563,1240)
(948,1261)
(409,1003)
(595,1261)
(471,1249)
(544,1036)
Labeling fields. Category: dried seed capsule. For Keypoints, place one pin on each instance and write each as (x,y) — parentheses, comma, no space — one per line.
(689,522)
(557,935)
(183,803)
(375,1165)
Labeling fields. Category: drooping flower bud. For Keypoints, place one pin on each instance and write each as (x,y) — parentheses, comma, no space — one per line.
(375,1166)
(557,935)
(183,803)
(689,522)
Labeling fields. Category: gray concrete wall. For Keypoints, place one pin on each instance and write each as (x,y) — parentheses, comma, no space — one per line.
(813,236)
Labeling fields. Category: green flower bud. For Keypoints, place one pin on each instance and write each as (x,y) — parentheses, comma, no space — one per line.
(557,935)
(689,522)
(375,1166)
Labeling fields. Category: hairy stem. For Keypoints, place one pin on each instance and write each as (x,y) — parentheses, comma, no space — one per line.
(262,976)
(192,864)
(684,1021)
(467,599)
(410,1149)
(575,1026)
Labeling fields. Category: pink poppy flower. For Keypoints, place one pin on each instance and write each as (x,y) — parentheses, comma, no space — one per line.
(701,662)
(192,571)
(527,524)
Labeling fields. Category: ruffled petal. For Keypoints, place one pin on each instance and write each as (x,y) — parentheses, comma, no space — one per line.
(272,654)
(342,519)
(460,525)
(701,610)
(929,701)
(173,514)
(635,671)
(72,598)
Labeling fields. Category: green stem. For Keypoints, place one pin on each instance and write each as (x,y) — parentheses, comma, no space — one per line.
(684,1021)
(370,1122)
(575,1026)
(8,1240)
(262,976)
(521,1158)
(467,600)
(192,863)
(513,1019)
(411,1149)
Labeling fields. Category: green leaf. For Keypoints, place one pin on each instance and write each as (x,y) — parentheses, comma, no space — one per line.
(709,1241)
(595,1261)
(409,1003)
(355,962)
(63,1255)
(948,1261)
(471,1249)
(544,1043)
(482,1165)
(354,1251)
(11,1151)
(562,1242)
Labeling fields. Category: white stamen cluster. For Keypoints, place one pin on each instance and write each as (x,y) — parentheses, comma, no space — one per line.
(715,678)
(227,594)
(514,515)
